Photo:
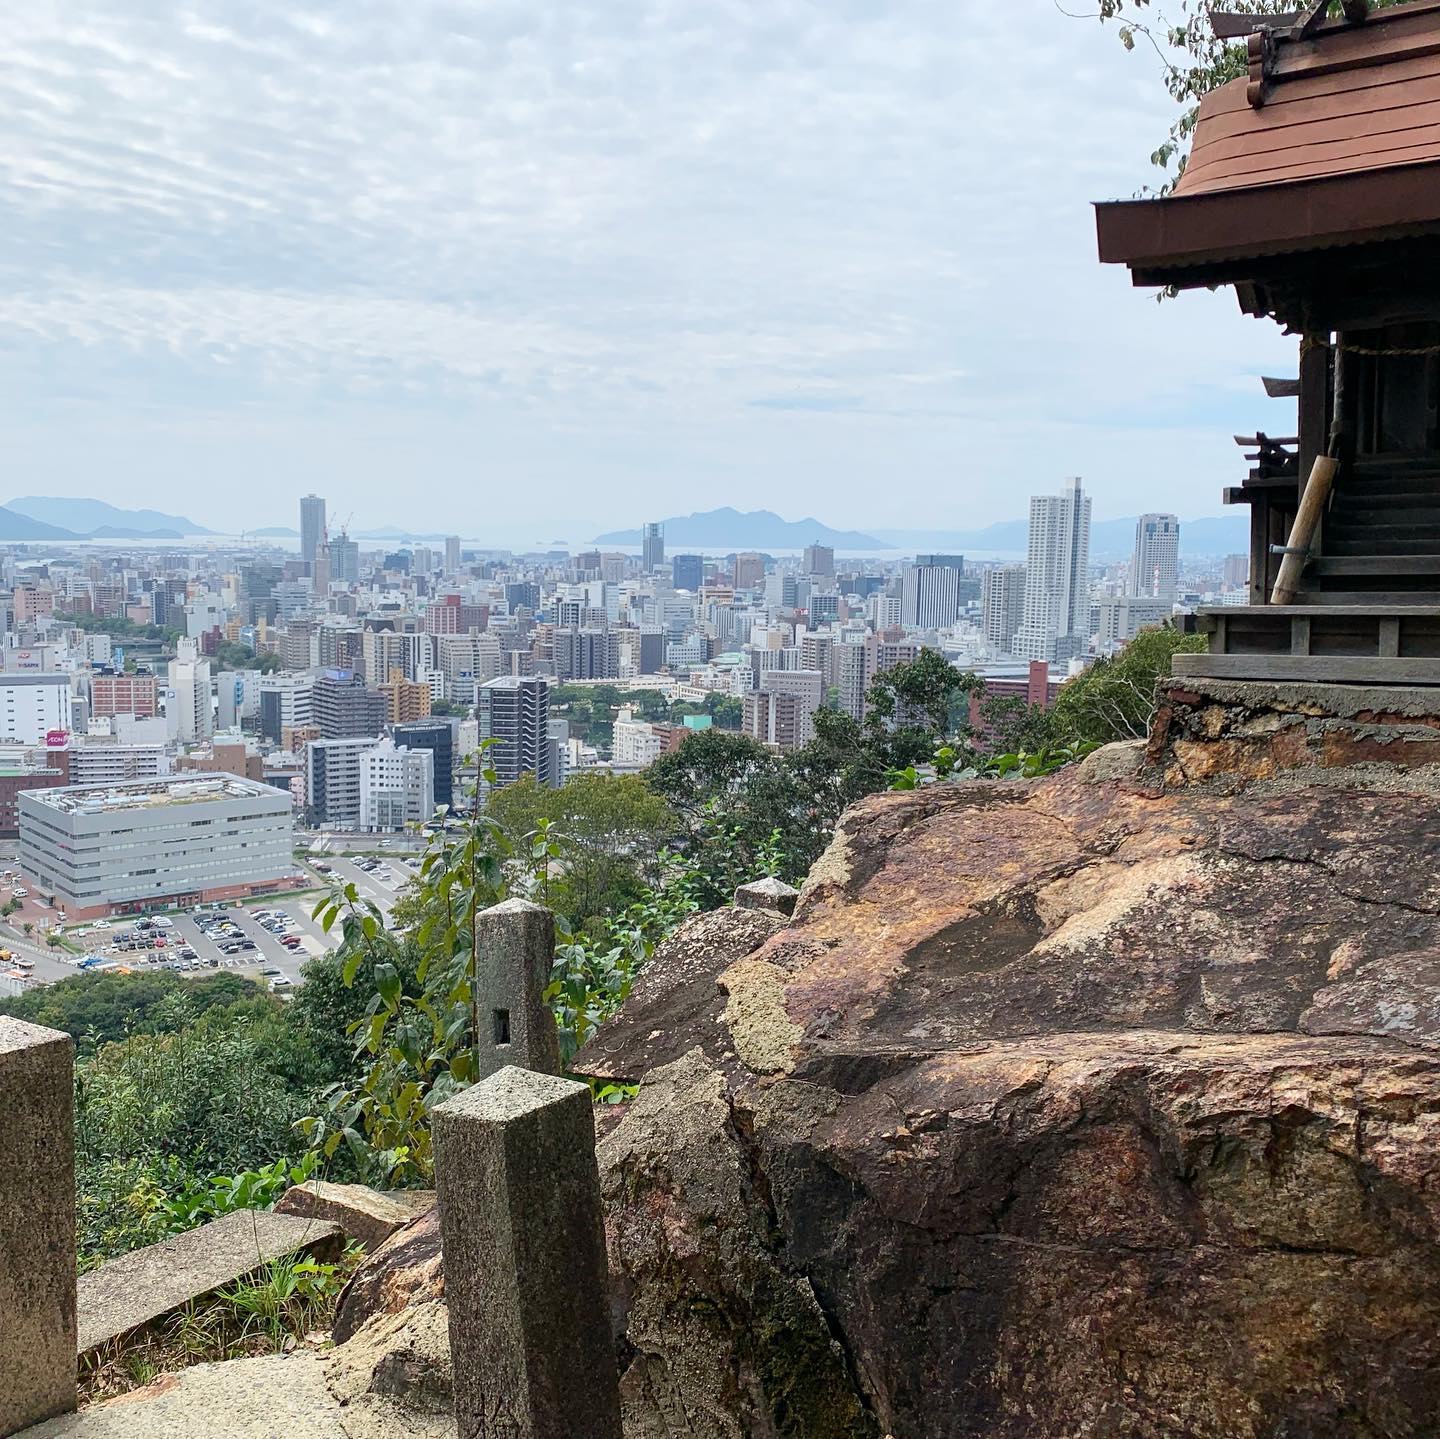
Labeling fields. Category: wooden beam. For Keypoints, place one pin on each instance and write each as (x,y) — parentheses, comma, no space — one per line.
(1318,669)
(1300,634)
(1389,647)
(1280,389)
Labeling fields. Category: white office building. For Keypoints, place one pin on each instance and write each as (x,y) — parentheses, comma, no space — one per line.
(188,704)
(150,843)
(397,787)
(106,763)
(32,705)
(1056,623)
(930,596)
(637,744)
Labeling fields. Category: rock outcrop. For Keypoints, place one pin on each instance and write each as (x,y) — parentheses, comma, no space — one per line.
(1090,1106)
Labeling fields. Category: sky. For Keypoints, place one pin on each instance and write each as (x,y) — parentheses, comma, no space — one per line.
(540,268)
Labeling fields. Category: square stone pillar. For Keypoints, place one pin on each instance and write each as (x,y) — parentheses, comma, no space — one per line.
(37,1224)
(516,950)
(526,1281)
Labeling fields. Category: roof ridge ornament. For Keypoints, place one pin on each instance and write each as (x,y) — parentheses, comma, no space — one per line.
(1262,34)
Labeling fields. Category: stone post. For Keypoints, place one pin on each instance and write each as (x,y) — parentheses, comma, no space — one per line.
(773,896)
(524,1251)
(37,1225)
(514,1024)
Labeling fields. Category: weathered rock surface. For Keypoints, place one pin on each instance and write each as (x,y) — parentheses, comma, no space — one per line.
(365,1215)
(1077,1107)
(392,1377)
(675,1003)
(405,1270)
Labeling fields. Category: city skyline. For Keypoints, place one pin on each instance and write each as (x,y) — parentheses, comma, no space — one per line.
(525,275)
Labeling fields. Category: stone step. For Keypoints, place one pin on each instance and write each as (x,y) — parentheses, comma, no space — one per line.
(138,1288)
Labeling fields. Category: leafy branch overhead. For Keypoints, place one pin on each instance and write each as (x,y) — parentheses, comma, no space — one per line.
(1192,62)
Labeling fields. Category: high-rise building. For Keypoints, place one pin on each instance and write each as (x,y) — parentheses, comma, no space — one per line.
(188,697)
(397,787)
(343,708)
(819,560)
(514,711)
(452,554)
(1002,606)
(286,703)
(32,705)
(332,778)
(1155,565)
(749,571)
(344,559)
(930,593)
(437,736)
(652,548)
(312,527)
(114,693)
(1237,572)
(407,699)
(1056,622)
(687,572)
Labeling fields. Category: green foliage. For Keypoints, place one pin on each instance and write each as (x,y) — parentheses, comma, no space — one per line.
(1192,61)
(121,628)
(239,657)
(201,1200)
(203,1095)
(1115,698)
(614,828)
(912,704)
(955,764)
(96,1009)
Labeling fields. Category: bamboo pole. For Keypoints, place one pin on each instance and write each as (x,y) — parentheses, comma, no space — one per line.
(1312,506)
(1317,491)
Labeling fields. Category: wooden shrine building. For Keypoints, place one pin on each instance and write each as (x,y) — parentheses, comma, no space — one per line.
(1313,188)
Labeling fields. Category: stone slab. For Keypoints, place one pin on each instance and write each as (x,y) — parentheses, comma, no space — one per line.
(526,1281)
(365,1215)
(261,1398)
(139,1288)
(769,894)
(37,1224)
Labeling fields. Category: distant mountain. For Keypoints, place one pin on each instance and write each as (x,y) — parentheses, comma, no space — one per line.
(274,532)
(15,526)
(122,532)
(393,532)
(95,517)
(1109,539)
(750,530)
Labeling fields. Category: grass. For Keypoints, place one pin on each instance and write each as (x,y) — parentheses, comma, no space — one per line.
(289,1304)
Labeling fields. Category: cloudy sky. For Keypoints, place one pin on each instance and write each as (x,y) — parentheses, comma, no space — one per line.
(545,267)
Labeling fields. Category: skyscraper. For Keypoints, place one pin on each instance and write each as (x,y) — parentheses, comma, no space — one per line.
(514,711)
(452,554)
(652,548)
(930,592)
(312,527)
(344,559)
(1002,604)
(1056,623)
(819,560)
(188,696)
(687,572)
(1155,566)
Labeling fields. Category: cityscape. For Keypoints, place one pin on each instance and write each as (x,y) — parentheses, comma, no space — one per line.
(346,690)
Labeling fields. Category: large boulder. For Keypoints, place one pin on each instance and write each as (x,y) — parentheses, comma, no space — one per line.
(406,1270)
(1077,1107)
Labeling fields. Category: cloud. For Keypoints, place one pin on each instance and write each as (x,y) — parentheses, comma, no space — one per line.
(586,229)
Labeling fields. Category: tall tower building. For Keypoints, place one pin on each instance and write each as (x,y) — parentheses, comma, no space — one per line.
(1155,565)
(1002,603)
(819,560)
(452,554)
(1056,622)
(930,592)
(652,548)
(192,717)
(312,527)
(514,711)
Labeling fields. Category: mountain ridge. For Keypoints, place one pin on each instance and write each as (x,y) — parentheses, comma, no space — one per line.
(88,518)
(752,529)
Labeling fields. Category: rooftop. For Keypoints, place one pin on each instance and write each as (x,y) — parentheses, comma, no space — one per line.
(1343,118)
(151,793)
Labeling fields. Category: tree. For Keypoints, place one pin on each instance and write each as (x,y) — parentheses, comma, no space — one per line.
(1192,61)
(910,707)
(1115,698)
(96,1009)
(613,827)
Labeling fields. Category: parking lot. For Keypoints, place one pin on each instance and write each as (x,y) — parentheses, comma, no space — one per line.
(270,940)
